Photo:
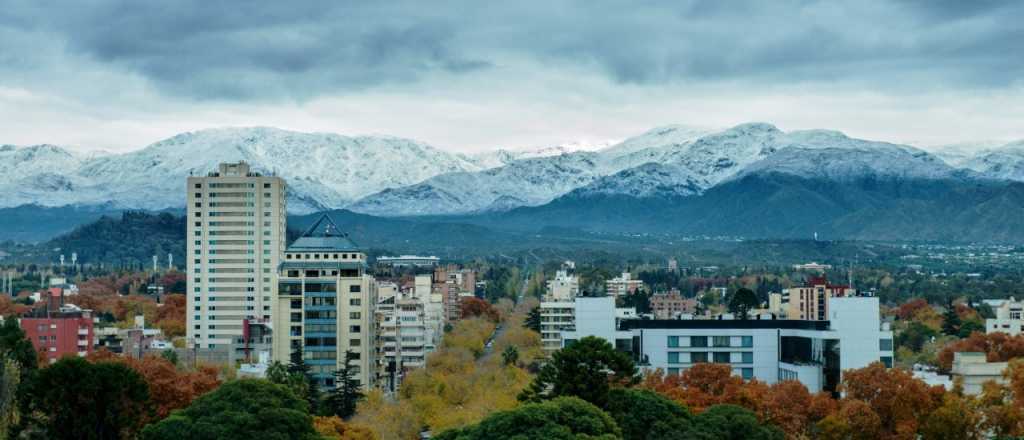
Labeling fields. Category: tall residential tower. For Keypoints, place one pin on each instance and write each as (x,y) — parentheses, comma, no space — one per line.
(325,305)
(236,236)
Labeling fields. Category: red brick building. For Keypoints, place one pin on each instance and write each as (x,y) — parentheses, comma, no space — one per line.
(59,331)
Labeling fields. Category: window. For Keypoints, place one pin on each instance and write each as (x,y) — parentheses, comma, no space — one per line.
(355,315)
(720,341)
(673,371)
(885,344)
(266,185)
(296,317)
(355,289)
(355,342)
(698,341)
(673,341)
(748,357)
(673,357)
(721,357)
(354,329)
(747,341)
(887,360)
(699,357)
(747,373)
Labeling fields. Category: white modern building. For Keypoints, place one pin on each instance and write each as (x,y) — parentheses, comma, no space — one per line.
(563,287)
(623,285)
(1008,318)
(562,320)
(235,239)
(409,261)
(769,350)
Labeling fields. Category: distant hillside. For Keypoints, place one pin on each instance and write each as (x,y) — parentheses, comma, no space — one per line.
(34,223)
(781,206)
(132,237)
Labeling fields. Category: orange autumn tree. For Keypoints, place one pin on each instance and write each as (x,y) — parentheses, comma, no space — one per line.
(900,401)
(473,307)
(998,347)
(786,404)
(705,385)
(169,388)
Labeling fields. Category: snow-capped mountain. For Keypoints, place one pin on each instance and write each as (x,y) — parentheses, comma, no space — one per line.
(504,156)
(527,181)
(323,170)
(647,180)
(1005,162)
(392,176)
(833,155)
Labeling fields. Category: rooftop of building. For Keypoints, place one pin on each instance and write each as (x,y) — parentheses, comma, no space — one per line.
(324,235)
(792,324)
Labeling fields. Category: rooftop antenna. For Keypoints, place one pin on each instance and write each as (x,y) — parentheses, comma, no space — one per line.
(170,261)
(155,267)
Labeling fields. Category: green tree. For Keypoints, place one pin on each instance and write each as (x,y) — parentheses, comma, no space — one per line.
(346,393)
(564,418)
(249,409)
(170,355)
(645,415)
(742,301)
(915,336)
(298,368)
(17,347)
(10,378)
(731,422)
(951,321)
(585,369)
(532,321)
(510,355)
(76,399)
(970,326)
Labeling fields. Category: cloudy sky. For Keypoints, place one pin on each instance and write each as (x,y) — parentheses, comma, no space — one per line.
(469,76)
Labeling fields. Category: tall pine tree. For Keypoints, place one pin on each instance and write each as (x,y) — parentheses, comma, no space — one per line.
(346,393)
(950,320)
(297,367)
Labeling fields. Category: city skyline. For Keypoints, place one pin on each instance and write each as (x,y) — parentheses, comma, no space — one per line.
(463,78)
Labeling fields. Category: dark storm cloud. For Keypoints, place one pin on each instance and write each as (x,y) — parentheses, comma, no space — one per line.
(299,50)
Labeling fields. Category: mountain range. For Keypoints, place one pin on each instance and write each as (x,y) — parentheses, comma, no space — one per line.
(670,179)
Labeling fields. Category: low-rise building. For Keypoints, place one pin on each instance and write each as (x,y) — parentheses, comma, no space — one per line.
(815,352)
(671,305)
(1008,318)
(623,285)
(563,287)
(973,370)
(67,331)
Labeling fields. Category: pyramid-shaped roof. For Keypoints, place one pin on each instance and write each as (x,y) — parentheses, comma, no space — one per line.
(324,236)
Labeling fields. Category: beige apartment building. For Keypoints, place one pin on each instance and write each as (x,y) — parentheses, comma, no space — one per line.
(810,302)
(235,238)
(325,305)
